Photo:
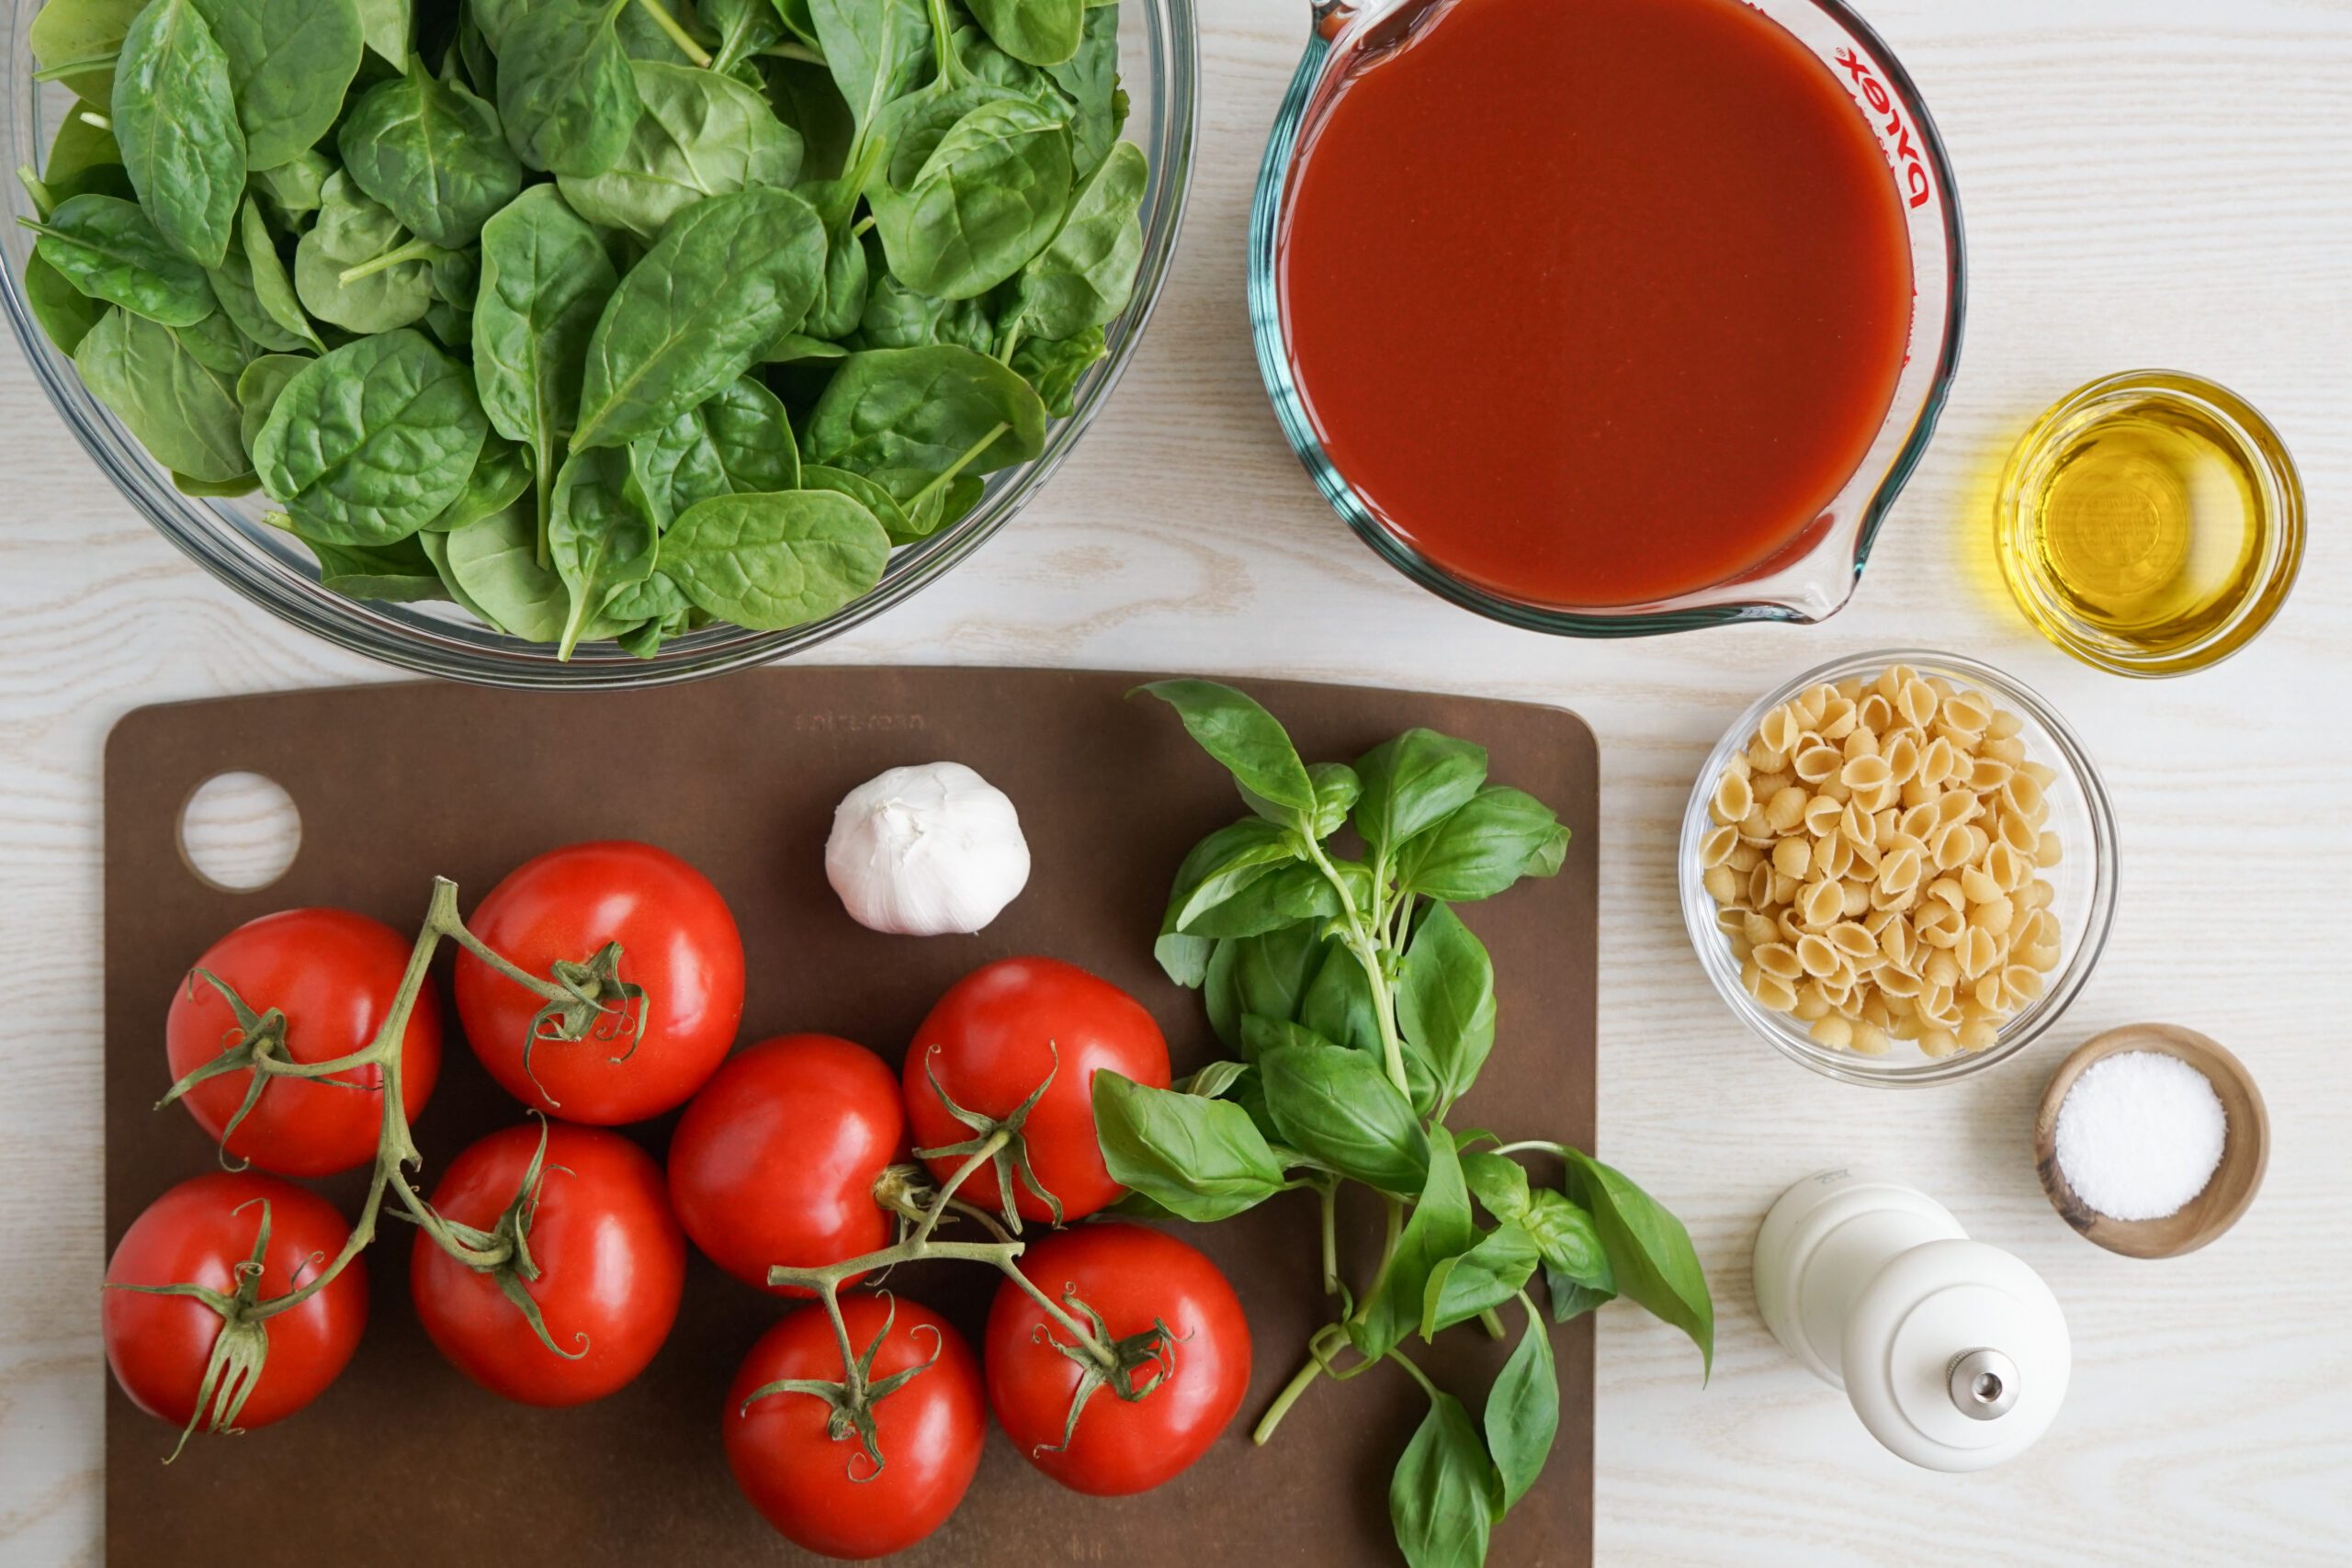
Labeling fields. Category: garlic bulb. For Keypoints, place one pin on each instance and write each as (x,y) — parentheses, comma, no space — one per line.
(926,851)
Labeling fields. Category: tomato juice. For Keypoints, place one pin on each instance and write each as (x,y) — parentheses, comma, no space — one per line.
(1594,302)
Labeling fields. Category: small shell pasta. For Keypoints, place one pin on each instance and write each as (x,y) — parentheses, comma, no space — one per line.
(1879,856)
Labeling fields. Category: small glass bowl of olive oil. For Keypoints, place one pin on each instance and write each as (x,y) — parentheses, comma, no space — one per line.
(2150,524)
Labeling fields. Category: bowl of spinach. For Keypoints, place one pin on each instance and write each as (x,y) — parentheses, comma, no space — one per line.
(588,342)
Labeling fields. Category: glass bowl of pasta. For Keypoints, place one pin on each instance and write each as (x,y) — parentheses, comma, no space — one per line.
(1899,868)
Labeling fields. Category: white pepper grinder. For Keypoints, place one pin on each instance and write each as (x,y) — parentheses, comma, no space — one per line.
(1953,1353)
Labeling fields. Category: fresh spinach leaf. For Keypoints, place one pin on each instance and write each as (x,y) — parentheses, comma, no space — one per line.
(735,442)
(907,416)
(696,134)
(807,100)
(1086,275)
(1090,80)
(387,26)
(1055,366)
(64,313)
(866,493)
(501,477)
(495,565)
(729,276)
(169,387)
(398,573)
(988,198)
(1040,32)
(599,542)
(106,247)
(365,446)
(290,62)
(294,190)
(567,95)
(79,40)
(432,154)
(272,286)
(357,267)
(175,116)
(776,561)
(258,385)
(878,50)
(544,282)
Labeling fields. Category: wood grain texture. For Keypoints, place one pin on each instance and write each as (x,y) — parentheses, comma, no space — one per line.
(2146,182)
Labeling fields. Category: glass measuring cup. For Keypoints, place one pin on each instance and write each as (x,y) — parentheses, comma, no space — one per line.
(1812,575)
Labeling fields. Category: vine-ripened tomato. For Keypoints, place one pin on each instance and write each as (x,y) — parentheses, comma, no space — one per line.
(611,1264)
(1133,1277)
(823,1493)
(678,941)
(775,1159)
(993,1038)
(201,1233)
(333,975)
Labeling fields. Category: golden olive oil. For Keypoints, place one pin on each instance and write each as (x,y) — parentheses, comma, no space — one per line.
(2151,523)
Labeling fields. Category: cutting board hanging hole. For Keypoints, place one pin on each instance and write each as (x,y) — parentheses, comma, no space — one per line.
(239,832)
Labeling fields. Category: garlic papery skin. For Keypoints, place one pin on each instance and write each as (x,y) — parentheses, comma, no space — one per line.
(926,851)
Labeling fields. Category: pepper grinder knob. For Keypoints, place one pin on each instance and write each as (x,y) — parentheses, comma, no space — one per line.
(1953,1353)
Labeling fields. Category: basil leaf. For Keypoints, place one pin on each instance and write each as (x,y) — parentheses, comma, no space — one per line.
(1086,275)
(170,390)
(1267,974)
(1213,1079)
(106,248)
(1522,1414)
(544,282)
(290,62)
(1490,842)
(1336,1105)
(175,116)
(1439,1500)
(1261,1035)
(432,154)
(366,445)
(1497,1269)
(1224,863)
(1413,781)
(1198,1157)
(1569,1241)
(696,134)
(1445,1000)
(1500,1183)
(1038,32)
(734,442)
(1439,1227)
(772,561)
(1570,1300)
(728,275)
(598,542)
(1649,1251)
(1248,740)
(1283,896)
(567,96)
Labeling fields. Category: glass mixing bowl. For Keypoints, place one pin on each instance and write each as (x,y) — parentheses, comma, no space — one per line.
(2082,881)
(1159,63)
(1814,576)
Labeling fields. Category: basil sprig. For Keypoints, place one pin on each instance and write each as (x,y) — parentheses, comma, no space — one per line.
(1359,1008)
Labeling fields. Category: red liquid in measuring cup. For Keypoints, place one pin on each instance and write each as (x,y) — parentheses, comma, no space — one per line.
(1596,302)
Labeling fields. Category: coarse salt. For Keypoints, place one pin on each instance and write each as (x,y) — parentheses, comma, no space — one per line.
(2140,1134)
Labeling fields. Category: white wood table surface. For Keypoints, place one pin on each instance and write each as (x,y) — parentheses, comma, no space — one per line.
(2146,182)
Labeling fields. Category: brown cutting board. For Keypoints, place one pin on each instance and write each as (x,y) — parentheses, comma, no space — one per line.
(405,1462)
